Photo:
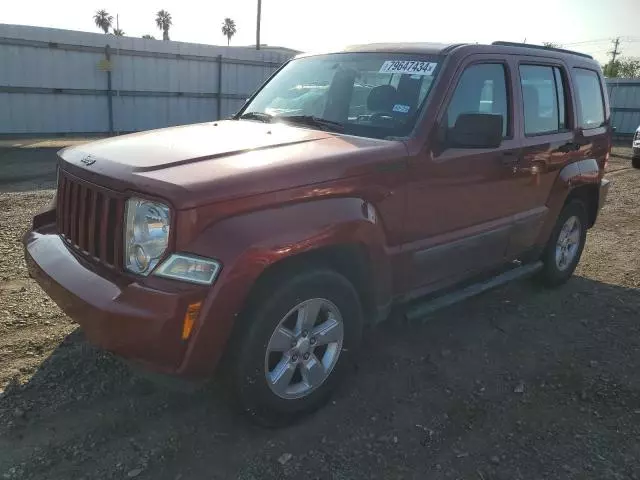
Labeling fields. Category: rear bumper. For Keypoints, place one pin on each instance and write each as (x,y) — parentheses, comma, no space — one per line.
(118,314)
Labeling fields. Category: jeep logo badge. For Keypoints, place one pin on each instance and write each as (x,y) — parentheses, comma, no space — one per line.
(89,160)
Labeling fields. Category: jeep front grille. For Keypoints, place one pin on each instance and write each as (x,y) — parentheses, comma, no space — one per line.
(90,218)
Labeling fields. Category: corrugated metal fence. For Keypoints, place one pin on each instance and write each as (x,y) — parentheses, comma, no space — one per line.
(624,97)
(60,81)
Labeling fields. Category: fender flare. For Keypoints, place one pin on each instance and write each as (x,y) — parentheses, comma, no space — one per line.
(248,244)
(572,176)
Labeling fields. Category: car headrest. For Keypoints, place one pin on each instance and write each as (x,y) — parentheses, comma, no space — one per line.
(382,98)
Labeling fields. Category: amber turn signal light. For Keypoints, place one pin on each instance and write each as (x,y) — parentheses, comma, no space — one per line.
(189,319)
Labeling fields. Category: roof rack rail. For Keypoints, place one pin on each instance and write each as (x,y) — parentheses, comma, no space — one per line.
(541,47)
(448,48)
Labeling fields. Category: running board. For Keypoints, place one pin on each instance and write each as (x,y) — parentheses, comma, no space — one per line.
(430,306)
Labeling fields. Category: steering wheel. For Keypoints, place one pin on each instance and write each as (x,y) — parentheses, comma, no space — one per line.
(381,118)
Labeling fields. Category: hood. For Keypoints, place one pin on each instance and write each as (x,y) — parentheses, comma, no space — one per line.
(195,164)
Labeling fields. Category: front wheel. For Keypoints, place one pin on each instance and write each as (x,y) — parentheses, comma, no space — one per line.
(635,162)
(562,253)
(294,344)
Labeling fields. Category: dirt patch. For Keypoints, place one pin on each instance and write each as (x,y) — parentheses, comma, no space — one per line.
(518,383)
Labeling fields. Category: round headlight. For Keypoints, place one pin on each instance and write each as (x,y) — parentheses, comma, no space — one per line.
(146,234)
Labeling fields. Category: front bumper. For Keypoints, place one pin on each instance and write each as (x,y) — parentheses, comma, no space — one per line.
(117,313)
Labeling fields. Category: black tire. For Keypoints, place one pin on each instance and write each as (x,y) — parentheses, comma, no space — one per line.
(635,162)
(551,275)
(267,307)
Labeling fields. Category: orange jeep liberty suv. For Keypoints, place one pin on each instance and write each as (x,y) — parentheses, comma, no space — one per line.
(350,182)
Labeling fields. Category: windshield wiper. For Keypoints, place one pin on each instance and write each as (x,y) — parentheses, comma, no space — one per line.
(314,121)
(261,116)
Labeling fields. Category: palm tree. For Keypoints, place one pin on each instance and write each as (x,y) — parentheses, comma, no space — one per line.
(148,37)
(118,32)
(163,21)
(103,20)
(228,29)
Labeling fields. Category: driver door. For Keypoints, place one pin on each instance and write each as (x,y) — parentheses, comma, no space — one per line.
(460,209)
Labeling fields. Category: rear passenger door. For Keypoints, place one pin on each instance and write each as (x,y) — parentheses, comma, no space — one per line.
(548,142)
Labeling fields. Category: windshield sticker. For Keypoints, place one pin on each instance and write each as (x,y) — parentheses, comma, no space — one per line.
(408,67)
(401,108)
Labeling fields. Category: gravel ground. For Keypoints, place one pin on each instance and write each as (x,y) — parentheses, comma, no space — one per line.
(519,383)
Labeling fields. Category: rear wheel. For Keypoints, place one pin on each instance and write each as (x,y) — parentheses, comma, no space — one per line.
(293,345)
(562,253)
(635,162)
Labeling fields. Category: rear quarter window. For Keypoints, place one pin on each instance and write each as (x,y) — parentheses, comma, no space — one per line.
(590,100)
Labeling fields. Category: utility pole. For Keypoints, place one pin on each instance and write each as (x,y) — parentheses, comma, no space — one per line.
(614,53)
(258,25)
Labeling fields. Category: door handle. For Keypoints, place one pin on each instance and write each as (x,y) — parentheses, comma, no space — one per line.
(569,147)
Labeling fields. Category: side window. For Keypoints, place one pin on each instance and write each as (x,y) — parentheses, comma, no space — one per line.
(543,99)
(591,114)
(482,89)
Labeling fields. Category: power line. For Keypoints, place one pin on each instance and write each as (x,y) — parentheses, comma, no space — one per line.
(600,40)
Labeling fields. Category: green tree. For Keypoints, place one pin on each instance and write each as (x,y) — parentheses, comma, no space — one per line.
(551,45)
(629,68)
(164,22)
(610,70)
(624,67)
(103,20)
(118,32)
(148,37)
(228,29)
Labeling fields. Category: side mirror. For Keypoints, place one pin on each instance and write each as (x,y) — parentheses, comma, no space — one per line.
(476,130)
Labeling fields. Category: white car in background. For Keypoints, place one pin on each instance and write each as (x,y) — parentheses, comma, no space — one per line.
(635,157)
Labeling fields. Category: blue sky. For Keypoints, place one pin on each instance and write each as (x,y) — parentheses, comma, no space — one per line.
(320,24)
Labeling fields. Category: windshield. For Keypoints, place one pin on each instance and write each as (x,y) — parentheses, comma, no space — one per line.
(367,94)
